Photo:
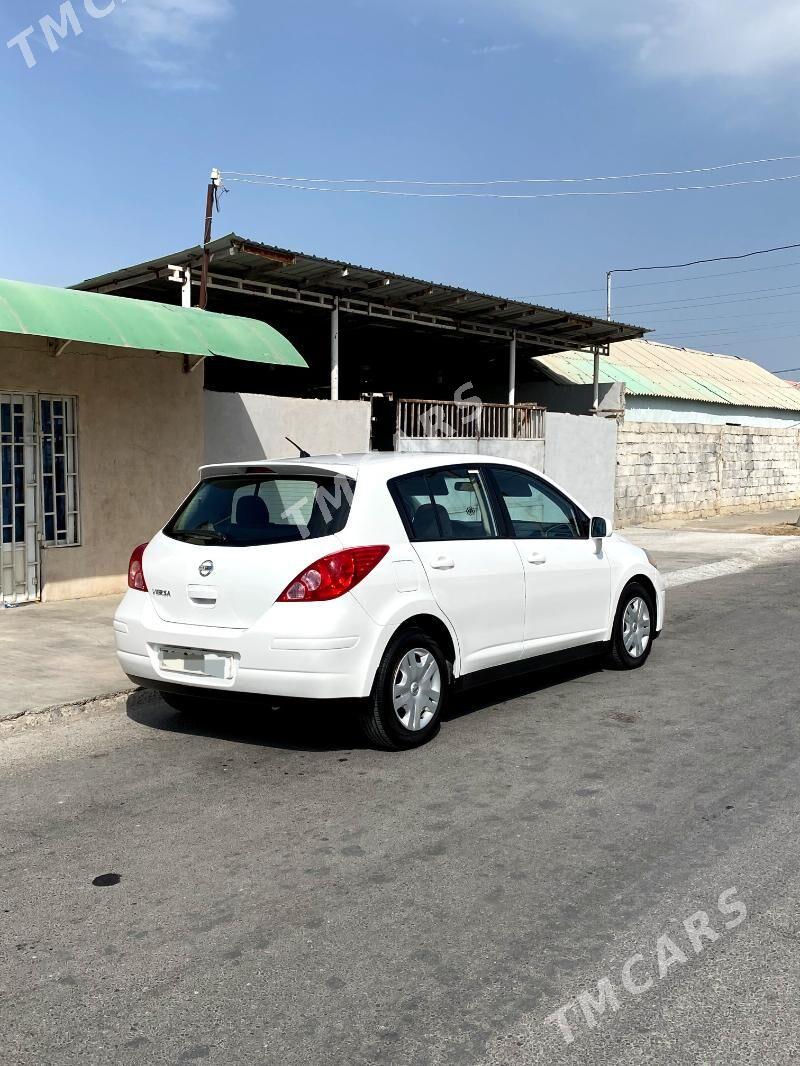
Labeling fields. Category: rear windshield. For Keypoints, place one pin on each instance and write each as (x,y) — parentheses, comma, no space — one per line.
(243,510)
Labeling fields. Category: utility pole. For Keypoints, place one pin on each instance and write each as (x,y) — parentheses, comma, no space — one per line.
(596,349)
(211,200)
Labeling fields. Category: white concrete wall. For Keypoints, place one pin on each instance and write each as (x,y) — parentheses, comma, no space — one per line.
(572,399)
(693,471)
(240,426)
(581,454)
(662,409)
(523,451)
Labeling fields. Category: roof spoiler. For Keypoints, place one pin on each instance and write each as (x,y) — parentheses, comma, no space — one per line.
(266,466)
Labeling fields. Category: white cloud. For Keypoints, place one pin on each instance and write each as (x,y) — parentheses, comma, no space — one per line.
(737,40)
(496,49)
(170,37)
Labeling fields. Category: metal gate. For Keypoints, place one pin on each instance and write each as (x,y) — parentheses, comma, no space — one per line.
(19,494)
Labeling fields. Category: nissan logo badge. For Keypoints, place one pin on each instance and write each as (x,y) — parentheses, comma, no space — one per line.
(206,568)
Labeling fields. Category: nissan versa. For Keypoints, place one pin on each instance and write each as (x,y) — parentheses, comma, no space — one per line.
(383,578)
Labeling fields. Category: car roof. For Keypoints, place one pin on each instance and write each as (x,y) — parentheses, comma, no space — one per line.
(389,464)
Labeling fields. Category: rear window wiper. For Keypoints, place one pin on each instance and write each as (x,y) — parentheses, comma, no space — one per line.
(206,536)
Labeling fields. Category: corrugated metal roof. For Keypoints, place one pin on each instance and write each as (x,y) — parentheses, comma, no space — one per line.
(238,258)
(647,368)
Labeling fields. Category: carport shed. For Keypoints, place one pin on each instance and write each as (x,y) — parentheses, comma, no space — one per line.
(365,330)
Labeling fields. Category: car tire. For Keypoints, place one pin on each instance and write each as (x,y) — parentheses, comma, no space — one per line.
(410,691)
(634,629)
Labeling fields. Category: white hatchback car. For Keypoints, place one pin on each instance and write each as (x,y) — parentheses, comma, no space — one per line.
(385,578)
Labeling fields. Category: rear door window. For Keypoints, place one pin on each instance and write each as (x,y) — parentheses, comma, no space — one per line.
(449,504)
(245,510)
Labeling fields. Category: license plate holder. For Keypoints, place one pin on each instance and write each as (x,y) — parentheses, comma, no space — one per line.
(196,662)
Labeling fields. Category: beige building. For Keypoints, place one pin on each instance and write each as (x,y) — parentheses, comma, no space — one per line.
(101,429)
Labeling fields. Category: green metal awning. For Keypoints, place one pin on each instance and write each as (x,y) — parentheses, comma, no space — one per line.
(91,318)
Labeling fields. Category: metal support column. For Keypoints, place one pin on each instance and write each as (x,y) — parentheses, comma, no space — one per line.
(186,288)
(596,380)
(512,381)
(335,350)
(512,370)
(599,350)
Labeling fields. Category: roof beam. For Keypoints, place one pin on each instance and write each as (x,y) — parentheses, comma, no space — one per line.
(415,294)
(129,283)
(492,309)
(387,312)
(452,297)
(272,255)
(326,275)
(548,320)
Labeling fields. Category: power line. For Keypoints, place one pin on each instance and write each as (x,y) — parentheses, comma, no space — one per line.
(761,326)
(763,334)
(334,185)
(693,339)
(672,281)
(713,300)
(701,262)
(520,196)
(680,266)
(236,174)
(744,314)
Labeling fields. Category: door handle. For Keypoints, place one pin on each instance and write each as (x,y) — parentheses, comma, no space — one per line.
(444,562)
(537,558)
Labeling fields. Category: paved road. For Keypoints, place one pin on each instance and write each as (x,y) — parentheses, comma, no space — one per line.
(288,897)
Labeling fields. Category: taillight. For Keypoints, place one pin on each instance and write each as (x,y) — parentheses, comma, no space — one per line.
(331,577)
(135,571)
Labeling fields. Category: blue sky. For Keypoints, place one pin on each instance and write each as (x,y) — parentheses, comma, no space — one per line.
(109,140)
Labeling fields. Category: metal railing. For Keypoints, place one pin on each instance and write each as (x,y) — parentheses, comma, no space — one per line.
(447,419)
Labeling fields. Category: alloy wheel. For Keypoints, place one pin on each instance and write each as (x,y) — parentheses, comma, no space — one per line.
(636,627)
(417,689)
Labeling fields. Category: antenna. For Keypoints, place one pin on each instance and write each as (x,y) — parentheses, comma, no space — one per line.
(303,453)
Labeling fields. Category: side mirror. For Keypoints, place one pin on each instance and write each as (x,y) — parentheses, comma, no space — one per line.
(599,528)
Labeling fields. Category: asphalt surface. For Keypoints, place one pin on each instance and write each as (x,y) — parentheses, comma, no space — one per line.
(290,897)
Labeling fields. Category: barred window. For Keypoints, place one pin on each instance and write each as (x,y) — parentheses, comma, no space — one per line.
(59,458)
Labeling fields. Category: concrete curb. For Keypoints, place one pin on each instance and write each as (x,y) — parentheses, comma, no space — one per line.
(59,712)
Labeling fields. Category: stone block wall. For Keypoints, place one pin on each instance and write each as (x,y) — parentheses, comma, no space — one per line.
(694,470)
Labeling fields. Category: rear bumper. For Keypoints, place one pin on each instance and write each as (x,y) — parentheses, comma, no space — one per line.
(228,698)
(296,651)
